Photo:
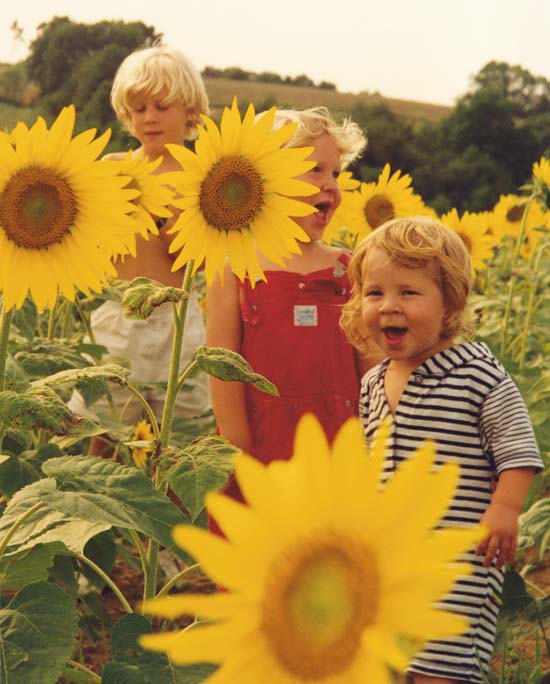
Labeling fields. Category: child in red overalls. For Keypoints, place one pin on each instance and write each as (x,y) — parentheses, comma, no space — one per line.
(287,328)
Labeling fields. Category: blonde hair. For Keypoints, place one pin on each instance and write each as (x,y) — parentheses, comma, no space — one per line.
(148,71)
(417,242)
(312,123)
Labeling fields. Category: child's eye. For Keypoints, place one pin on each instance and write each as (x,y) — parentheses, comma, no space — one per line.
(409,292)
(373,293)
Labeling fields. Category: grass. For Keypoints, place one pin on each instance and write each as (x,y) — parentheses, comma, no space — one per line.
(221,92)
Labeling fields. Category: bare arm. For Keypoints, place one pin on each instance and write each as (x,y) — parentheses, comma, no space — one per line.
(501,517)
(224,329)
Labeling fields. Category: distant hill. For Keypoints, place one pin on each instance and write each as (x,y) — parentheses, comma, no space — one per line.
(222,90)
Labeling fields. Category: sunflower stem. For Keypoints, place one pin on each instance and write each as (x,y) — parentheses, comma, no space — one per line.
(180,313)
(166,588)
(16,525)
(513,277)
(105,577)
(5,322)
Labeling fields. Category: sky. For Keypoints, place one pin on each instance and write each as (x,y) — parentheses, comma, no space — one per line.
(423,50)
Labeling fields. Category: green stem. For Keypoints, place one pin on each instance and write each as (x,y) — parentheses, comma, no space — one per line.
(148,410)
(513,278)
(51,322)
(186,373)
(180,313)
(105,577)
(16,525)
(166,588)
(82,668)
(5,322)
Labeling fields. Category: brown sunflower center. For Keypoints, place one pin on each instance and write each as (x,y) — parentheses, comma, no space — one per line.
(231,194)
(37,207)
(514,214)
(378,210)
(319,599)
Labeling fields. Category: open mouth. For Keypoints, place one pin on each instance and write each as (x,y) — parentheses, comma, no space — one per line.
(394,333)
(323,208)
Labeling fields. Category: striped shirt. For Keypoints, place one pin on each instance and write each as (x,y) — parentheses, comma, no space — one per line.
(464,400)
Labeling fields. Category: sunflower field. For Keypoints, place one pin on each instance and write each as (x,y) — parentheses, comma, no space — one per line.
(108,574)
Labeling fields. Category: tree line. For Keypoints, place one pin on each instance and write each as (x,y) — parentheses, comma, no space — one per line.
(485,147)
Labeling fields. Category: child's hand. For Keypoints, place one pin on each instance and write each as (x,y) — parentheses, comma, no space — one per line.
(501,542)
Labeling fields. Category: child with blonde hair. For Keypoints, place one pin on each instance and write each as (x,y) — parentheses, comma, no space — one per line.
(159,96)
(410,284)
(287,328)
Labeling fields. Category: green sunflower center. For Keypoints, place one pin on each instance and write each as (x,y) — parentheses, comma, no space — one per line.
(37,207)
(378,210)
(231,194)
(514,214)
(320,597)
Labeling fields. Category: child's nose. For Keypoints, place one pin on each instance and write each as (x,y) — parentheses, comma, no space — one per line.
(389,304)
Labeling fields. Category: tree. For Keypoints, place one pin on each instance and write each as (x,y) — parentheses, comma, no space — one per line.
(76,63)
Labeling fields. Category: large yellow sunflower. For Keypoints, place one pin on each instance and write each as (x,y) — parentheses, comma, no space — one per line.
(326,576)
(473,230)
(235,195)
(63,214)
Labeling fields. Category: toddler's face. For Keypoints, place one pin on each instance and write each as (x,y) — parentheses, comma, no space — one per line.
(403,310)
(154,122)
(324,175)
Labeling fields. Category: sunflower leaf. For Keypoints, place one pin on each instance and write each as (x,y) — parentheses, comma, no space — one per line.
(144,295)
(132,664)
(44,357)
(111,372)
(37,408)
(39,628)
(26,566)
(230,366)
(96,490)
(202,467)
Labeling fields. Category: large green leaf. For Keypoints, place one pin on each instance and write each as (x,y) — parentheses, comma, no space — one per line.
(134,665)
(37,408)
(27,566)
(109,372)
(228,365)
(143,295)
(44,357)
(204,466)
(93,489)
(38,630)
(45,525)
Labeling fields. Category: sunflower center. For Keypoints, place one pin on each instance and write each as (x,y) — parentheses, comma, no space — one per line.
(231,194)
(319,599)
(378,210)
(467,242)
(514,214)
(37,207)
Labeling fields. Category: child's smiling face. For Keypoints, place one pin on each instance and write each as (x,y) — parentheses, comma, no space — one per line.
(403,310)
(324,175)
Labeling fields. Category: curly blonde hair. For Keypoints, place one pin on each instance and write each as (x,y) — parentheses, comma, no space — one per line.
(311,123)
(417,242)
(148,71)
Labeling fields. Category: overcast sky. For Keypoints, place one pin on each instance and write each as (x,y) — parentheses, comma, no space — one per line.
(425,50)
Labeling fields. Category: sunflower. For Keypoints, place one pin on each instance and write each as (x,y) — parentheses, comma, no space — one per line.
(235,193)
(342,225)
(473,229)
(63,214)
(508,215)
(154,196)
(326,576)
(142,433)
(541,171)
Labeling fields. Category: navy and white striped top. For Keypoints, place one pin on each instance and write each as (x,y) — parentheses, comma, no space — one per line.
(464,400)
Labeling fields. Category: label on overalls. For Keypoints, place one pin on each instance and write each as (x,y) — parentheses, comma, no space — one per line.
(305,315)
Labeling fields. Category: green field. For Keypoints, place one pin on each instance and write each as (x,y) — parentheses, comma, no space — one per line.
(221,92)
